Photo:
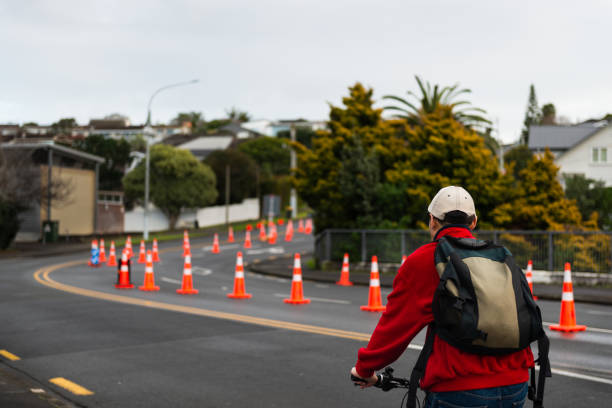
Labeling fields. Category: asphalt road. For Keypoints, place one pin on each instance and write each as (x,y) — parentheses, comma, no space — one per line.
(160,349)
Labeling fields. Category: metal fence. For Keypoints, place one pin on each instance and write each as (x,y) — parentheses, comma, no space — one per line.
(588,251)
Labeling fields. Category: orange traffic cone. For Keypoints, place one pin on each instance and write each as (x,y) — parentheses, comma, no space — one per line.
(247,240)
(186,246)
(230,235)
(272,234)
(141,257)
(529,277)
(187,288)
(289,231)
(94,258)
(301,226)
(102,251)
(128,246)
(112,259)
(567,320)
(297,290)
(149,280)
(344,274)
(262,232)
(155,251)
(124,273)
(239,292)
(308,227)
(374,299)
(215,247)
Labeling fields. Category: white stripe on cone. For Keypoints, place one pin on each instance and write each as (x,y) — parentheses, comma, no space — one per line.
(374,282)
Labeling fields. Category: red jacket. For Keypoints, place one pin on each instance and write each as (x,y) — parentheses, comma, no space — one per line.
(409,311)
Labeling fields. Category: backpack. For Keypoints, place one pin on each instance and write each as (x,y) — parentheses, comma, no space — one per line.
(480,284)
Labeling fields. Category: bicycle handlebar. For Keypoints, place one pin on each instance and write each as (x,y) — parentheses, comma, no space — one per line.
(386,380)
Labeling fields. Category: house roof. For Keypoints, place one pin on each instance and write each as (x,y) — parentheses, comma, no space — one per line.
(559,137)
(50,145)
(208,143)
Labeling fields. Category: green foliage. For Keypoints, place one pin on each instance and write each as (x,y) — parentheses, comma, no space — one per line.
(178,180)
(338,177)
(243,177)
(236,115)
(532,115)
(64,125)
(196,119)
(9,223)
(271,154)
(116,154)
(538,201)
(549,114)
(518,157)
(592,197)
(430,100)
(303,135)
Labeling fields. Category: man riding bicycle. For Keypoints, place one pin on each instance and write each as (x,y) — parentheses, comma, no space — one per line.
(452,378)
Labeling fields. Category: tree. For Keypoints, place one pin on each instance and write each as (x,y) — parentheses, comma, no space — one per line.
(243,174)
(338,175)
(538,200)
(196,119)
(63,126)
(271,154)
(592,197)
(178,180)
(431,98)
(532,115)
(303,135)
(442,152)
(116,155)
(21,187)
(518,157)
(549,114)
(236,115)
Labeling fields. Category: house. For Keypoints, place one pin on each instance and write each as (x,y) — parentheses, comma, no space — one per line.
(584,149)
(273,128)
(72,171)
(202,146)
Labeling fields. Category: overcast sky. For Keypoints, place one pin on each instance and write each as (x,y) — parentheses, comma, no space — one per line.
(281,59)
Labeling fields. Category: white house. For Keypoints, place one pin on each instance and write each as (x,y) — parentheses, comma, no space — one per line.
(581,149)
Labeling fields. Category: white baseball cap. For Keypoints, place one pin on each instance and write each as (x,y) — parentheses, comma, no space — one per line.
(451,198)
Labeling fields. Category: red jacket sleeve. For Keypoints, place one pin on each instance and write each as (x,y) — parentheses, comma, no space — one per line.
(408,311)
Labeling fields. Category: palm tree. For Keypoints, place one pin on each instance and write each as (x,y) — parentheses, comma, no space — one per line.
(431,98)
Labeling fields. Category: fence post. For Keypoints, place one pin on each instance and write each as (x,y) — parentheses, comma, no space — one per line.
(363,247)
(328,245)
(403,243)
(550,251)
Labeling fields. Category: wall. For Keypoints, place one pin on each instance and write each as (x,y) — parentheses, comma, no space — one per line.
(579,158)
(208,216)
(76,213)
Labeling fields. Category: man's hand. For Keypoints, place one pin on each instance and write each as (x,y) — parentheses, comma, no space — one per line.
(365,382)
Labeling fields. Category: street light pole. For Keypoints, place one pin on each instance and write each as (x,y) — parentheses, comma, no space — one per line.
(148,131)
(293,164)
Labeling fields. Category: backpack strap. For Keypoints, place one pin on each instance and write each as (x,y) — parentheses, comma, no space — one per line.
(536,394)
(419,368)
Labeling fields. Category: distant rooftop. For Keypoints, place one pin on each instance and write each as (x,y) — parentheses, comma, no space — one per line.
(560,137)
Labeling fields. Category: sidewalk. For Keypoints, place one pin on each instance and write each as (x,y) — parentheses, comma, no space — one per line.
(20,391)
(283,267)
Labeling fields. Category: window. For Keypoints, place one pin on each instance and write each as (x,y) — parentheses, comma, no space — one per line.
(600,155)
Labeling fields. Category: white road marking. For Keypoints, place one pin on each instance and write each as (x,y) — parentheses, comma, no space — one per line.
(198,270)
(178,282)
(599,312)
(341,302)
(272,250)
(591,329)
(208,248)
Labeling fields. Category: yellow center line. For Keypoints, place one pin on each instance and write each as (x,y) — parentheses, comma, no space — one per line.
(70,386)
(42,276)
(9,355)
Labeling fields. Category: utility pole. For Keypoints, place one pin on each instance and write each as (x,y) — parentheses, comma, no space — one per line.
(293,164)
